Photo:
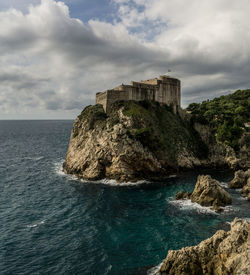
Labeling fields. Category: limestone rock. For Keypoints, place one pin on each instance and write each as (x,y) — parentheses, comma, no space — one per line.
(225,253)
(238,181)
(208,192)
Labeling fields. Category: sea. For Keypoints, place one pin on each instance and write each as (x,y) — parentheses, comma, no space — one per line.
(52,223)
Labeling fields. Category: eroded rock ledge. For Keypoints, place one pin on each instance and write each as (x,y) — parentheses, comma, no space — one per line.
(225,253)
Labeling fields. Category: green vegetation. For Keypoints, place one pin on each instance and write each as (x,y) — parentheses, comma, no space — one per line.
(226,115)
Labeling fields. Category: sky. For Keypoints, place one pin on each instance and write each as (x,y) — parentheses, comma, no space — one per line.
(56,55)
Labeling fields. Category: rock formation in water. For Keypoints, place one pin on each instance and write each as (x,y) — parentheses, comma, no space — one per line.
(135,140)
(241,180)
(225,253)
(207,192)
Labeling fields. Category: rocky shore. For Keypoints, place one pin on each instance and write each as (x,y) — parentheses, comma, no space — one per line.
(225,253)
(207,192)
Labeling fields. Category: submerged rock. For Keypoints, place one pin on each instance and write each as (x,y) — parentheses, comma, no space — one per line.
(208,192)
(225,253)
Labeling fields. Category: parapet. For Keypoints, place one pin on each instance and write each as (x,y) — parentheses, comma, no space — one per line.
(168,79)
(165,90)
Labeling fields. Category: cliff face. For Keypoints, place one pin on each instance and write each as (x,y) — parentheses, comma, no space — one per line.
(225,253)
(140,140)
(137,140)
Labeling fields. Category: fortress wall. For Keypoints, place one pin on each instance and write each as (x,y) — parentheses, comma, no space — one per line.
(141,91)
(142,94)
(101,98)
(153,81)
(165,90)
(116,95)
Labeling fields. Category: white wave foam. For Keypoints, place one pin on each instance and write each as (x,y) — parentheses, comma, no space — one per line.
(154,270)
(229,208)
(115,183)
(59,168)
(224,184)
(110,182)
(172,176)
(242,198)
(36,224)
(60,172)
(189,205)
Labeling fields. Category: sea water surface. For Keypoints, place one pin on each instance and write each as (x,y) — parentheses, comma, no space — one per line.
(51,223)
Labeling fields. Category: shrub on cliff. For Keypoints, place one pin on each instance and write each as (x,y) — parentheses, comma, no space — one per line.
(226,115)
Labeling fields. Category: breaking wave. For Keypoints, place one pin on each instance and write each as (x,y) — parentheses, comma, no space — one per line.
(189,205)
(59,171)
(154,270)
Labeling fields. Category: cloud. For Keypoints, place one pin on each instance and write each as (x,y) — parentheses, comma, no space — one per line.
(53,63)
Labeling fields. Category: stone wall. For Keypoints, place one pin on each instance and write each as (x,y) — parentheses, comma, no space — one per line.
(101,98)
(165,90)
(115,95)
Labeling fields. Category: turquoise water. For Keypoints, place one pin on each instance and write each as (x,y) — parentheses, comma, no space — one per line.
(54,224)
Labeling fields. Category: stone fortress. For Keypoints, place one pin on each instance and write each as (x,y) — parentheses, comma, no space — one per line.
(165,90)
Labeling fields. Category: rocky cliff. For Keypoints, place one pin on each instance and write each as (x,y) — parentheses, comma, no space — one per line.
(138,140)
(225,253)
